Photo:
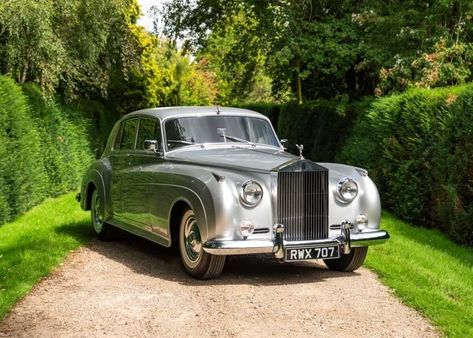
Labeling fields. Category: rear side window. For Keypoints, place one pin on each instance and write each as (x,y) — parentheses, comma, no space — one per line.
(129,134)
(146,132)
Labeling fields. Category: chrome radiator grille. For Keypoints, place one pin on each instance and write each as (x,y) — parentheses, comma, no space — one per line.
(303,204)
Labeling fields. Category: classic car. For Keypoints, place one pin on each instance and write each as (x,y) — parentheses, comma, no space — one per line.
(218,182)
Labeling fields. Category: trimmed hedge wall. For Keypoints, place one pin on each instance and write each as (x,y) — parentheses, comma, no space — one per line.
(23,180)
(321,126)
(44,148)
(418,147)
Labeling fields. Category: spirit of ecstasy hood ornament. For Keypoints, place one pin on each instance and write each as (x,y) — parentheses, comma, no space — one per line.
(301,148)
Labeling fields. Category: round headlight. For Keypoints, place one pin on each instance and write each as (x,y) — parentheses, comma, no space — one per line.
(347,190)
(251,193)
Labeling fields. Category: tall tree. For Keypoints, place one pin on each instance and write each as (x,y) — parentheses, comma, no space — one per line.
(72,46)
(328,48)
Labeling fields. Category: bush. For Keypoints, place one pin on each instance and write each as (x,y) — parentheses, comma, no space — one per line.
(418,147)
(22,175)
(269,110)
(64,134)
(44,148)
(321,126)
(102,121)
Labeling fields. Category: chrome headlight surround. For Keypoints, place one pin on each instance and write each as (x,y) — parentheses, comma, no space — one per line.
(346,190)
(251,193)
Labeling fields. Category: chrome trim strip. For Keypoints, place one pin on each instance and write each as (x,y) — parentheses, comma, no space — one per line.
(228,247)
(248,247)
(369,238)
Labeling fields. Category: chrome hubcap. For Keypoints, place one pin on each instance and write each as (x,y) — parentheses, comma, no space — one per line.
(97,215)
(193,243)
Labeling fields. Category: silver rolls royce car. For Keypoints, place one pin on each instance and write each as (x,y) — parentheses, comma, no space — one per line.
(218,182)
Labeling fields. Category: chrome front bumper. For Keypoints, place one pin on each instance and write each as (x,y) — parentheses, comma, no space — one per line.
(346,241)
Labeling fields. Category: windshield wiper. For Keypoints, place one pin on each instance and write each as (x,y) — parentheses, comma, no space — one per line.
(181,142)
(222,132)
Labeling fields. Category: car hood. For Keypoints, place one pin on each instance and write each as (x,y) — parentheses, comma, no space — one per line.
(253,159)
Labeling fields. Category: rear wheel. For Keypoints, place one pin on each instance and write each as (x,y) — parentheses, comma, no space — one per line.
(104,231)
(349,262)
(196,261)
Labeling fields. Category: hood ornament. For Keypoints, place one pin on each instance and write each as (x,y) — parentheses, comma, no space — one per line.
(301,148)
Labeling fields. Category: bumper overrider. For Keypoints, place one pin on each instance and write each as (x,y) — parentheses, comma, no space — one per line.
(345,241)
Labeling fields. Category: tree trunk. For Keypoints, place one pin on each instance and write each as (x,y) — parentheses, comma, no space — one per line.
(299,82)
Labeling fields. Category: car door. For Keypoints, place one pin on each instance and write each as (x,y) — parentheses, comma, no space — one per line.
(144,160)
(154,167)
(121,161)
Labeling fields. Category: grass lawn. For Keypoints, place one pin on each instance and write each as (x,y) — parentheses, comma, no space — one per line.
(35,243)
(428,272)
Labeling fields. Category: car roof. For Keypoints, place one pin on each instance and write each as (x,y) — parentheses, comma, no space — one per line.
(166,112)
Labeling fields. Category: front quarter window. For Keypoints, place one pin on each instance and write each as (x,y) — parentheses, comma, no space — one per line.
(149,130)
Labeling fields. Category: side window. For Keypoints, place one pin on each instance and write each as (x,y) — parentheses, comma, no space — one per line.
(129,134)
(146,132)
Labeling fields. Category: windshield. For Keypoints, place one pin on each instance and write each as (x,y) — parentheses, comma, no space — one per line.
(213,129)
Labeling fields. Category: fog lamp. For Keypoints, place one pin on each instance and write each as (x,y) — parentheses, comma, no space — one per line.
(246,228)
(361,221)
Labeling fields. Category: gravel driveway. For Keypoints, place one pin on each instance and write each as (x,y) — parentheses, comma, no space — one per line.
(136,288)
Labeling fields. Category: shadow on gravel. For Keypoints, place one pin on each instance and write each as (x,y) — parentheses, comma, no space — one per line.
(148,258)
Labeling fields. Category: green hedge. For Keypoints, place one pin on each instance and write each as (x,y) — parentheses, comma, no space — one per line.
(44,148)
(321,126)
(418,147)
(23,180)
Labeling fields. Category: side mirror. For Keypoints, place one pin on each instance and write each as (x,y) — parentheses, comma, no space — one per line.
(284,143)
(151,145)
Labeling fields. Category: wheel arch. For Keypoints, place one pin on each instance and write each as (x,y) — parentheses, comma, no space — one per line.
(95,182)
(175,216)
(177,210)
(89,190)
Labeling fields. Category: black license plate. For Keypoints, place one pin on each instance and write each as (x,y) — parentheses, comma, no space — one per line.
(306,253)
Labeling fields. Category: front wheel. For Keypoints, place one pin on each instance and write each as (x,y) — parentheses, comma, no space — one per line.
(196,261)
(349,262)
(104,231)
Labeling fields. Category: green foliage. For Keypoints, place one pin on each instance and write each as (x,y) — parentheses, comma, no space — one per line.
(163,77)
(73,46)
(34,244)
(418,147)
(324,49)
(22,174)
(428,272)
(232,53)
(99,120)
(269,110)
(64,145)
(44,148)
(321,126)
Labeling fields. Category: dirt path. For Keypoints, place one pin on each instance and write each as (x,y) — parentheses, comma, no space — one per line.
(135,288)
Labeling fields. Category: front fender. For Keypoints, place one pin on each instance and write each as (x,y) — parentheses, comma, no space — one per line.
(367,202)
